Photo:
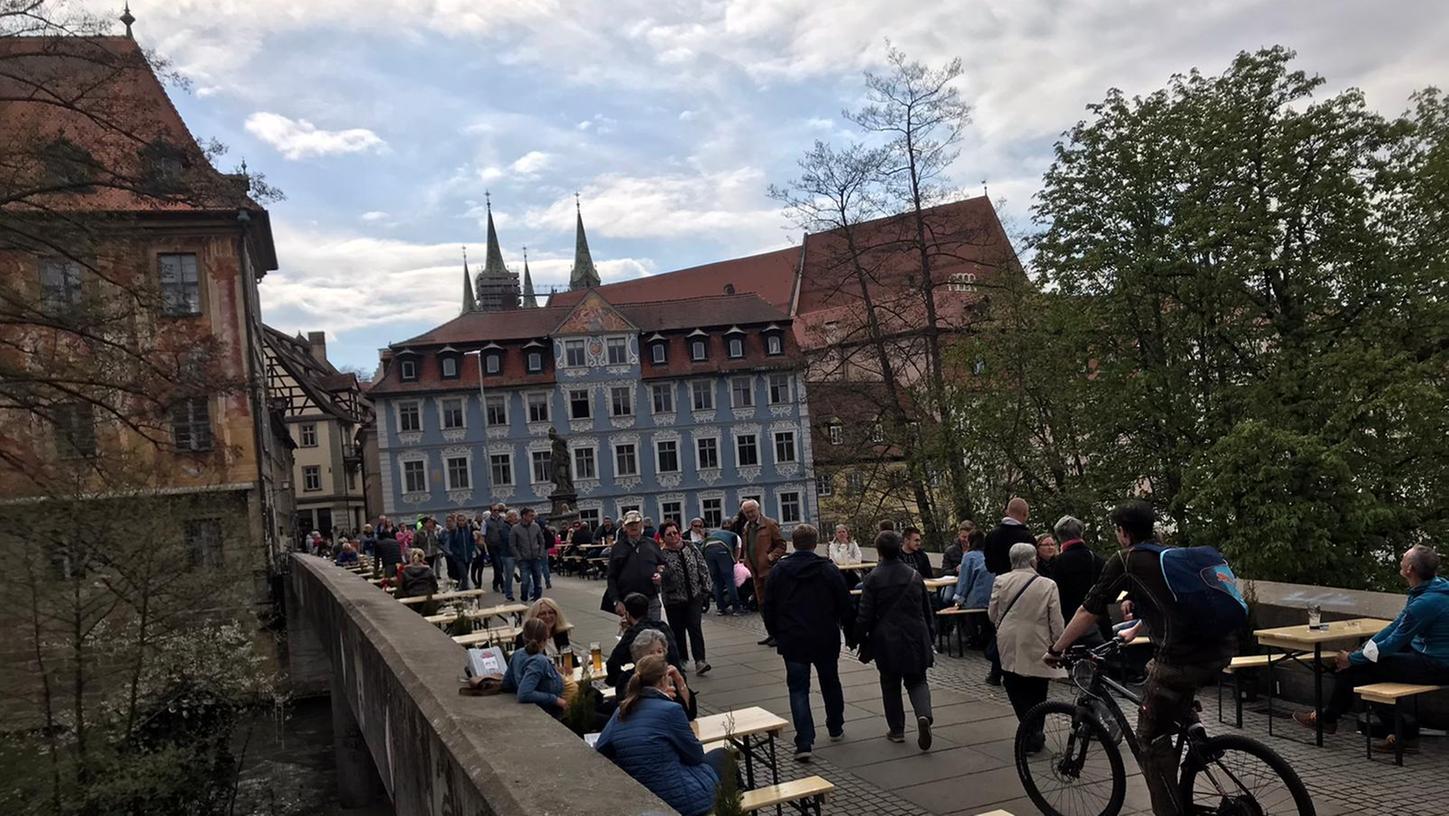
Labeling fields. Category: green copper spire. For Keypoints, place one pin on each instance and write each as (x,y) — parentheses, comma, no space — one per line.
(584,275)
(469,302)
(529,301)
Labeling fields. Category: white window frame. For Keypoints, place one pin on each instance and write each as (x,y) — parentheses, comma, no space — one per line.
(699,452)
(589,401)
(508,466)
(593,456)
(408,370)
(488,402)
(531,399)
(306,430)
(422,471)
(789,385)
(658,354)
(794,446)
(705,512)
(659,452)
(628,391)
(534,361)
(620,344)
(755,438)
(417,409)
(749,392)
(698,349)
(774,345)
(493,363)
(533,474)
(467,460)
(655,390)
(799,506)
(694,392)
(635,452)
(571,345)
(312,478)
(462,413)
(664,514)
(835,432)
(736,348)
(450,362)
(824,484)
(180,297)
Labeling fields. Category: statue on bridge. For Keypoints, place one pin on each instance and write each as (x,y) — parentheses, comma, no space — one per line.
(563,495)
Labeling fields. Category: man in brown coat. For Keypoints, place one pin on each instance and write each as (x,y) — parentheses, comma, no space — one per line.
(762,546)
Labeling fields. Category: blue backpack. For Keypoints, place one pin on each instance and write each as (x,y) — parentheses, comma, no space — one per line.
(1209,603)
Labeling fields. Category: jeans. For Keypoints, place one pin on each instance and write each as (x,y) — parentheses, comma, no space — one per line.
(1167,707)
(503,574)
(722,575)
(684,620)
(1406,666)
(1024,693)
(890,694)
(531,578)
(797,678)
(656,609)
(547,577)
(716,759)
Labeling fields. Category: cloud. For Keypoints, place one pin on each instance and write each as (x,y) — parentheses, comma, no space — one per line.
(374,215)
(298,138)
(530,163)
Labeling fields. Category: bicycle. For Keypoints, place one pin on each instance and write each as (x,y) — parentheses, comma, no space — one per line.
(1080,762)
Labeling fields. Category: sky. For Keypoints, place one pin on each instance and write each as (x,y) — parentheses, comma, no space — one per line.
(386,121)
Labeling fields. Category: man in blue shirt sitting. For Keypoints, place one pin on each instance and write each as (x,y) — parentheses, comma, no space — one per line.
(1412,649)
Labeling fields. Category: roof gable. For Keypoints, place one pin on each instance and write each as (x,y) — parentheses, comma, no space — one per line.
(594,315)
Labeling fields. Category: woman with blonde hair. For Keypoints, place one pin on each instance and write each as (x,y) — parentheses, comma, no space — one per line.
(650,739)
(546,610)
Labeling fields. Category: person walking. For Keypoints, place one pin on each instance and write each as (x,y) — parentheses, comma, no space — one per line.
(896,629)
(807,606)
(721,550)
(685,590)
(526,540)
(389,553)
(460,551)
(495,533)
(1027,613)
(763,546)
(635,564)
(1011,530)
(429,539)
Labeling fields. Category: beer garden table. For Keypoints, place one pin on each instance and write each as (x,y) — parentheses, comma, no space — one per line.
(1297,641)
(743,727)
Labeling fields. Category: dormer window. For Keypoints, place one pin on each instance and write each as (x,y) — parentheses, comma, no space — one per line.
(535,362)
(773,346)
(736,348)
(658,353)
(492,362)
(408,369)
(163,165)
(450,367)
(697,349)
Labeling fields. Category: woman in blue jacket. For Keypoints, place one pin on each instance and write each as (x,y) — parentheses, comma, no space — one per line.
(649,738)
(531,673)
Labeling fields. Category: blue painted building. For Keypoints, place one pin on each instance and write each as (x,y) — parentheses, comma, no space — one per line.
(676,408)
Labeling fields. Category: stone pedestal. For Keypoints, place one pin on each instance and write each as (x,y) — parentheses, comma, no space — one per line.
(564,511)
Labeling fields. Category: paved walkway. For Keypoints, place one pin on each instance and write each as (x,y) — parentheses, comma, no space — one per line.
(970,769)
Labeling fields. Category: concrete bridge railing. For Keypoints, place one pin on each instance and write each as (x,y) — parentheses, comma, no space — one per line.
(402,730)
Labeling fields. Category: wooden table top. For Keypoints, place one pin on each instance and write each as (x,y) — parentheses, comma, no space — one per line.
(443,596)
(864,565)
(937,583)
(742,722)
(1301,637)
(502,635)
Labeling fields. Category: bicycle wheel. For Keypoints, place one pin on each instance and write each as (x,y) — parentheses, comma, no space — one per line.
(1078,769)
(1233,775)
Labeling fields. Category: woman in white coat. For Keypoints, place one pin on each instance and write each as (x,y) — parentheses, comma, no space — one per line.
(843,549)
(1027,613)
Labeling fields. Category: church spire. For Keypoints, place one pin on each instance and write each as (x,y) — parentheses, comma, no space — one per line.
(127,18)
(529,300)
(497,288)
(584,275)
(469,302)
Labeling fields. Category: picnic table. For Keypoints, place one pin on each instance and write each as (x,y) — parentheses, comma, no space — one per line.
(443,596)
(937,583)
(1296,642)
(483,614)
(861,567)
(749,729)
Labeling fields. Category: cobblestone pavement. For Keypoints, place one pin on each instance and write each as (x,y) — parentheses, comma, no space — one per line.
(970,769)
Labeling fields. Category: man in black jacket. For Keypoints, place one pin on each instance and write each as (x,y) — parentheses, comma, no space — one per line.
(806,607)
(635,612)
(912,554)
(635,565)
(1011,530)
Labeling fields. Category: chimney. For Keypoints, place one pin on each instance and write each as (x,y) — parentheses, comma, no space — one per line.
(317,342)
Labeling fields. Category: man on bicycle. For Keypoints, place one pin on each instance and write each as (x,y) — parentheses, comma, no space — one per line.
(1180,666)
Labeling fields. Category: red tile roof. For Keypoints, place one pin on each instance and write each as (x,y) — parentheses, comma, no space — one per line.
(771,275)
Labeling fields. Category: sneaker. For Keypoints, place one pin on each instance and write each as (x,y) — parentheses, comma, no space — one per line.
(923,733)
(701,668)
(993,679)
(802,754)
(1390,742)
(896,737)
(1308,719)
(838,736)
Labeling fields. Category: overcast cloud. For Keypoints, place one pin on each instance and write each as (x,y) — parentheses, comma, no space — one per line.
(386,120)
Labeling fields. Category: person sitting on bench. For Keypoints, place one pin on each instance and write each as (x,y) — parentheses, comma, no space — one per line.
(1412,649)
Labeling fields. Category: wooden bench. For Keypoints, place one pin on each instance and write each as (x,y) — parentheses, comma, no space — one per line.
(1239,664)
(1391,694)
(489,636)
(805,795)
(950,613)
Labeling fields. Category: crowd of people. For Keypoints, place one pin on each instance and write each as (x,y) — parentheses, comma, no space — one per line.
(1041,593)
